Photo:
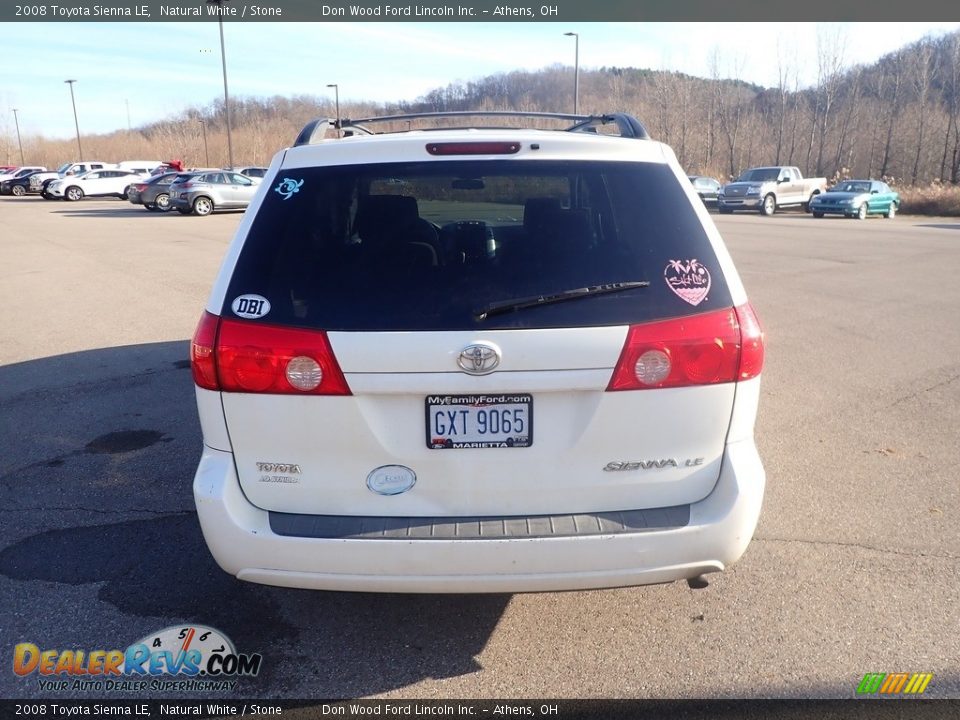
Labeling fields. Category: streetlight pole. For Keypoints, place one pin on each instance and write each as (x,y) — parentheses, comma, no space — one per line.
(226,94)
(20,144)
(576,71)
(336,95)
(206,153)
(76,124)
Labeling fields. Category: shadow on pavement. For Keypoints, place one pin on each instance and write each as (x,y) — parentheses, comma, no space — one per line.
(122,209)
(943,226)
(96,490)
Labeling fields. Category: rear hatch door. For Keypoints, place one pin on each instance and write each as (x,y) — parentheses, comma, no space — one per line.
(479,383)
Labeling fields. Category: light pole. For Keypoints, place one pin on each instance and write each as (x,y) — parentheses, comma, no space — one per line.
(20,144)
(76,124)
(127,101)
(576,71)
(336,95)
(226,94)
(206,153)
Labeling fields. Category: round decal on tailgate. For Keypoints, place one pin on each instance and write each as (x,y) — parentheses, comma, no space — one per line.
(250,306)
(391,479)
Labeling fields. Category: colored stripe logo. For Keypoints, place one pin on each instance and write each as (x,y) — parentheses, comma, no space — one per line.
(894,683)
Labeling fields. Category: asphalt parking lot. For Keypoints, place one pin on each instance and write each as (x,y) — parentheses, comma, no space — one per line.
(855,566)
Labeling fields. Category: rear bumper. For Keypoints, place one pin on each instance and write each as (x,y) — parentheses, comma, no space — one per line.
(240,539)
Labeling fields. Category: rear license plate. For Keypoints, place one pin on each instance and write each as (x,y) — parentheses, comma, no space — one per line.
(456,422)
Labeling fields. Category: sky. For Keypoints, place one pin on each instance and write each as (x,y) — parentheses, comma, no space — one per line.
(156,70)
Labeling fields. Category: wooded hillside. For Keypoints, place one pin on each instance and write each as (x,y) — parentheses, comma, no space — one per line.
(898,118)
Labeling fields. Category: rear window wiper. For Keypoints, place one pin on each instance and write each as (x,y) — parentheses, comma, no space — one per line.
(505,306)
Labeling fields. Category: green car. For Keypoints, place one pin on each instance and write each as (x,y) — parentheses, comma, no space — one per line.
(857,199)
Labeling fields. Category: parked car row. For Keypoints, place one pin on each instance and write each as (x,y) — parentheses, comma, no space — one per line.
(857,199)
(153,192)
(16,181)
(40,182)
(10,173)
(707,188)
(198,192)
(95,183)
(766,190)
(156,185)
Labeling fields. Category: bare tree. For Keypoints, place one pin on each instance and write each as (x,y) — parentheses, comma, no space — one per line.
(831,45)
(797,97)
(711,130)
(923,71)
(785,66)
(949,47)
(728,103)
(893,69)
(618,87)
(684,97)
(851,99)
(875,88)
(663,84)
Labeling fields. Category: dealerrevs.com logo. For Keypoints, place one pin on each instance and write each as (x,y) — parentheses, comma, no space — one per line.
(180,657)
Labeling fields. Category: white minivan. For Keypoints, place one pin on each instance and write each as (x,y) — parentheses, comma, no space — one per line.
(141,167)
(477,360)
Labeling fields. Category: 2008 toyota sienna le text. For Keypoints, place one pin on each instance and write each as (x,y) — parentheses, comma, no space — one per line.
(472,359)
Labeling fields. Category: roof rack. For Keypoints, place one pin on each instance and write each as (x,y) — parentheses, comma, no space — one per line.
(628,126)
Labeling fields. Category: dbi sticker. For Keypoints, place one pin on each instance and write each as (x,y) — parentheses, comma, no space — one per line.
(689,280)
(250,306)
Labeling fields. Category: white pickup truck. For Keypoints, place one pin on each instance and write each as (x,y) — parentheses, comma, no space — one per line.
(766,189)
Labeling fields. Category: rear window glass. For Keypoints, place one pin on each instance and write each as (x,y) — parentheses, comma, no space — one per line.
(165,179)
(429,246)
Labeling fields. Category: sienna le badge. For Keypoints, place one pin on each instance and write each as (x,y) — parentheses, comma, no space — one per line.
(689,280)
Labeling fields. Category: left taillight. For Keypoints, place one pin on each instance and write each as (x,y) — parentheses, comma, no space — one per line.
(203,359)
(251,357)
(715,347)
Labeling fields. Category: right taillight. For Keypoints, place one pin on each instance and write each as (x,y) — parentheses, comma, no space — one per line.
(751,341)
(252,357)
(715,347)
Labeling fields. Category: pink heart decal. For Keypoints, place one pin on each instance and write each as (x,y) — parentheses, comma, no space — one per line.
(689,280)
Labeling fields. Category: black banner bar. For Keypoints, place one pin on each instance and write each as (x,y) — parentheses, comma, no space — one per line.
(888,709)
(466,11)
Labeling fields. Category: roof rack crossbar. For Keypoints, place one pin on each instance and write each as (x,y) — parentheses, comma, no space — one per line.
(310,129)
(627,125)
